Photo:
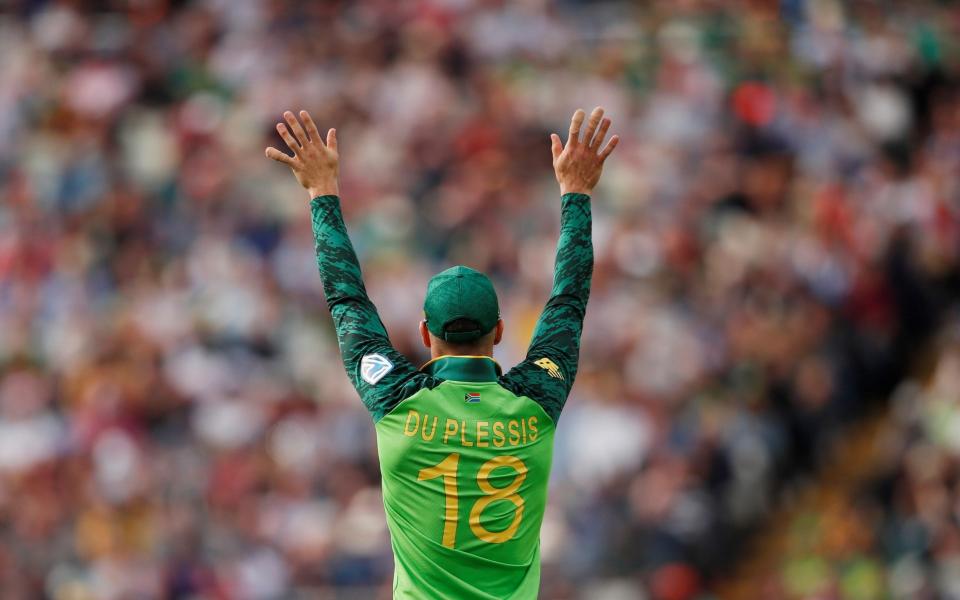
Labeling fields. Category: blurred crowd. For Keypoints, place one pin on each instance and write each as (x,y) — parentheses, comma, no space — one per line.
(776,238)
(895,532)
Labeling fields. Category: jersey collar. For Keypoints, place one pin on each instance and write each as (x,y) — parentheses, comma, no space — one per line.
(473,369)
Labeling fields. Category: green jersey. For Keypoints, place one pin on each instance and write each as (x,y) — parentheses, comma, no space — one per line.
(465,450)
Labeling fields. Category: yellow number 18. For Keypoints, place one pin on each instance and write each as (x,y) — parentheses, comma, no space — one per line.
(447,469)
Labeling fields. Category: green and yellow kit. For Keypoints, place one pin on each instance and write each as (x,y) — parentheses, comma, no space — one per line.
(465,450)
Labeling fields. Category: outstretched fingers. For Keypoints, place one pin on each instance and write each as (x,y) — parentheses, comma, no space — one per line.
(288,138)
(280,156)
(609,147)
(311,127)
(575,123)
(601,133)
(595,116)
(296,128)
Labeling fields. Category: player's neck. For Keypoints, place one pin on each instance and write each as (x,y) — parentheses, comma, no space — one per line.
(438,350)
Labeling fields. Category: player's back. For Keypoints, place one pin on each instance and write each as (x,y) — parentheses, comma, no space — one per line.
(465,453)
(465,462)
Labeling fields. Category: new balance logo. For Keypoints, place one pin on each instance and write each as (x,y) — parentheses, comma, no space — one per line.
(374,367)
(551,367)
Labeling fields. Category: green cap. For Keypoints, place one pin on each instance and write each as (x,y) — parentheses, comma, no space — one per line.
(461,293)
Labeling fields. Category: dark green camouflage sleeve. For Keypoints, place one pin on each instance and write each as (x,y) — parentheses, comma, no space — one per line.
(547,373)
(382,376)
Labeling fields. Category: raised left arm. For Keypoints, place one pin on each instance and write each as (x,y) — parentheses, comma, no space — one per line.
(548,372)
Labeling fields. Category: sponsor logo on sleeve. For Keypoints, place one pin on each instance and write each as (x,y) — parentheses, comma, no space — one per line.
(550,367)
(374,367)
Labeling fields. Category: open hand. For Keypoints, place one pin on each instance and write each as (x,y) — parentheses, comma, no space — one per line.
(315,165)
(578,165)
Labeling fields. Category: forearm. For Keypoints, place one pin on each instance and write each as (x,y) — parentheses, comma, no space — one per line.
(336,259)
(559,327)
(573,268)
(354,315)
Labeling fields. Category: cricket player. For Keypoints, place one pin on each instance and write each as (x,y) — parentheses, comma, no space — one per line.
(465,450)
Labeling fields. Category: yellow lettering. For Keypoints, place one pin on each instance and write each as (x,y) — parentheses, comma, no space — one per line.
(463,435)
(514,429)
(423,432)
(533,429)
(498,438)
(482,434)
(449,429)
(413,416)
(523,427)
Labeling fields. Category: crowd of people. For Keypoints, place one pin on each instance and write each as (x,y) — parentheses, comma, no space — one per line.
(894,532)
(775,239)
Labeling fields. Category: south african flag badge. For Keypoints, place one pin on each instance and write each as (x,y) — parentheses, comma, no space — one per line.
(471,397)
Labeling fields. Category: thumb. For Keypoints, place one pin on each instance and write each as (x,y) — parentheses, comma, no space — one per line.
(555,146)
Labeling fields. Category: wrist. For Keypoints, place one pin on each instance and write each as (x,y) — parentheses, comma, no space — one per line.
(323,190)
(575,189)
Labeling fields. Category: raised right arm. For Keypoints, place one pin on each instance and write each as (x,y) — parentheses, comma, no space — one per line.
(382,376)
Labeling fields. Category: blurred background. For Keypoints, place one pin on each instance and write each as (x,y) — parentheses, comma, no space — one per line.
(769,398)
